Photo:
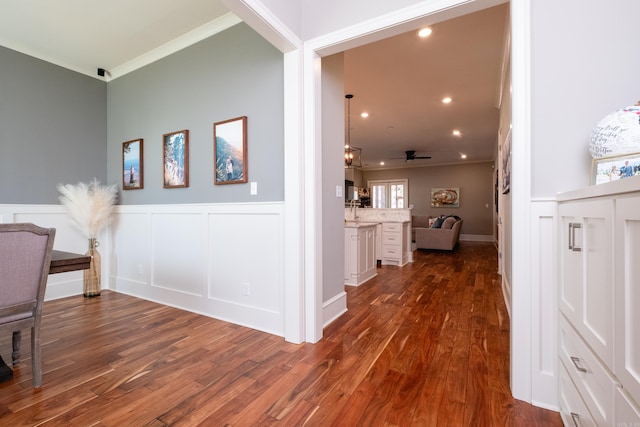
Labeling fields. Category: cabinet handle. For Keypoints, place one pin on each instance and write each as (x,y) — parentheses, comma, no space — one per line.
(572,236)
(576,363)
(576,419)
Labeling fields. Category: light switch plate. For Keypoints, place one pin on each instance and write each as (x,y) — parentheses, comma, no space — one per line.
(338,190)
(254,188)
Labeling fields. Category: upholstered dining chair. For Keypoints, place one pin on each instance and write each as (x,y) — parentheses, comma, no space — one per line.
(25,257)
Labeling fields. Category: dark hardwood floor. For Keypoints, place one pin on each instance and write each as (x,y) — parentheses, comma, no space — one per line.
(422,345)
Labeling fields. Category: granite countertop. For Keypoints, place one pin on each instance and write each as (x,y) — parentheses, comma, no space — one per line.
(360,224)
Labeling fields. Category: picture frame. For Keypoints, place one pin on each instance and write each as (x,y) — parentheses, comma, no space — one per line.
(445,197)
(133,164)
(607,169)
(230,151)
(175,159)
(506,164)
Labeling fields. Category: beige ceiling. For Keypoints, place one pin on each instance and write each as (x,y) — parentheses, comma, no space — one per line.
(400,81)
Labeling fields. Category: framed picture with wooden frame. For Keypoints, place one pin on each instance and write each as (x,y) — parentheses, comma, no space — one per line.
(175,159)
(132,164)
(230,151)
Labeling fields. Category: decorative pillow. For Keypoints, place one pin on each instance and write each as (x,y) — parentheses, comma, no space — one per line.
(448,222)
(431,221)
(438,222)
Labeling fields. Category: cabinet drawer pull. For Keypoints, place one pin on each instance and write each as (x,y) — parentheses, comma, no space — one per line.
(576,419)
(576,363)
(572,236)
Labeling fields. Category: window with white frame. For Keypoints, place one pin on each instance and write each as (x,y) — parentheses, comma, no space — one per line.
(389,193)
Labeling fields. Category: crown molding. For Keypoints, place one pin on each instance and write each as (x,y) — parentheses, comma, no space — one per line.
(192,37)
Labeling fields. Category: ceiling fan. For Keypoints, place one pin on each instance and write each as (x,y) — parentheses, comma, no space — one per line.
(411,155)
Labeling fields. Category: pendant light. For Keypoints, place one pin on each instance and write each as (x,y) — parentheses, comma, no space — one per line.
(350,152)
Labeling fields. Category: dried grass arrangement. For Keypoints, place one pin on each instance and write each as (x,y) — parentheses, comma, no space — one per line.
(89,205)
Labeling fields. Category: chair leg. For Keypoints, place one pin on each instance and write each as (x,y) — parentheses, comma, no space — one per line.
(36,363)
(16,340)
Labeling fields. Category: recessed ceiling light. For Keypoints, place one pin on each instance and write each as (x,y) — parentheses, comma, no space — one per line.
(364,115)
(456,132)
(425,32)
(463,156)
(381,163)
(446,100)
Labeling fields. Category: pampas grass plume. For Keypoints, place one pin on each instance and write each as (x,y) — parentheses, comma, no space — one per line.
(89,205)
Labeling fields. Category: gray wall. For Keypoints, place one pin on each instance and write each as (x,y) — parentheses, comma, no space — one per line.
(52,129)
(234,73)
(332,176)
(476,183)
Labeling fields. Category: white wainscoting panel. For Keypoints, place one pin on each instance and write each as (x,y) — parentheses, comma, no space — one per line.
(221,260)
(178,242)
(133,258)
(544,304)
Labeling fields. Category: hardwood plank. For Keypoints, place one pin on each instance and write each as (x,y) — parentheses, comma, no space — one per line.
(426,344)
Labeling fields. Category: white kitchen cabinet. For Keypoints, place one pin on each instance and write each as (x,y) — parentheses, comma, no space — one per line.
(586,271)
(360,253)
(599,292)
(626,410)
(627,297)
(395,242)
(573,410)
(592,379)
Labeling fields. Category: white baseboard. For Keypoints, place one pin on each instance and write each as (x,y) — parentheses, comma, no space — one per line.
(334,308)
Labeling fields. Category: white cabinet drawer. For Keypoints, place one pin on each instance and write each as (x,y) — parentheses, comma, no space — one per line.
(592,379)
(391,238)
(627,411)
(391,251)
(395,227)
(572,408)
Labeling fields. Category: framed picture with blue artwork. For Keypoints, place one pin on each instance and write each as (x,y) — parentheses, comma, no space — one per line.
(607,169)
(132,163)
(230,151)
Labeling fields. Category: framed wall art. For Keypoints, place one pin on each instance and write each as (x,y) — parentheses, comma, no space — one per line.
(445,197)
(175,159)
(132,165)
(607,169)
(506,164)
(230,151)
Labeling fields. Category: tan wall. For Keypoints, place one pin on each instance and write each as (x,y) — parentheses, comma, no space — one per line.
(476,184)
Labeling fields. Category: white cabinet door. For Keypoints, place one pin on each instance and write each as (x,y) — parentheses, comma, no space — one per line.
(370,248)
(586,271)
(627,317)
(627,413)
(363,262)
(350,254)
(360,255)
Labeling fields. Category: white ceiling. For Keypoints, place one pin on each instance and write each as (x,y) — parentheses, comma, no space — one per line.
(116,35)
(400,81)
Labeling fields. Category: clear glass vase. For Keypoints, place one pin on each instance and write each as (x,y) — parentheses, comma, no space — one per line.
(91,286)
